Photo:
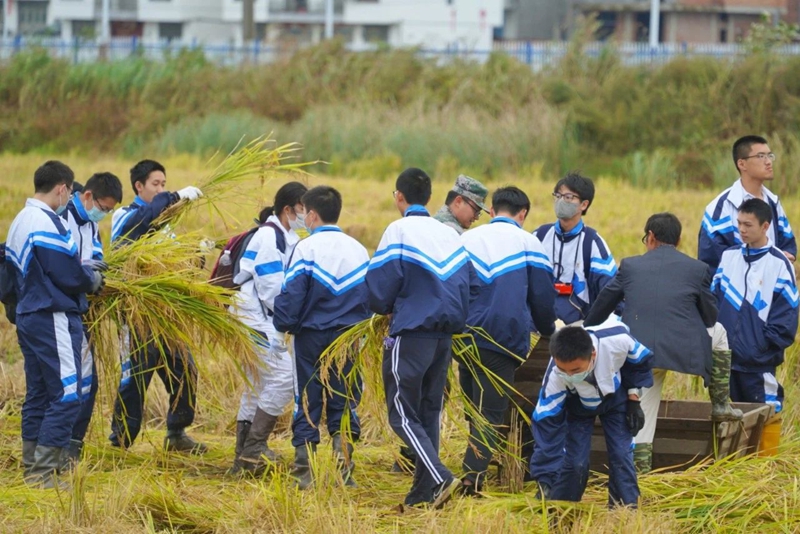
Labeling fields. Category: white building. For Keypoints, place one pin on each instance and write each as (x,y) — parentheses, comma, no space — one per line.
(431,24)
(185,20)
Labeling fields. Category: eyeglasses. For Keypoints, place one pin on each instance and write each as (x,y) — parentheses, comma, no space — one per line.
(475,208)
(644,239)
(569,197)
(102,208)
(763,156)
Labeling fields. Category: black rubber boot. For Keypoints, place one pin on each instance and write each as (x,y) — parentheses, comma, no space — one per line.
(301,470)
(44,471)
(344,459)
(179,441)
(242,429)
(28,455)
(256,455)
(71,456)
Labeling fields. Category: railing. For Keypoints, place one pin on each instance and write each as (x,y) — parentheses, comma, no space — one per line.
(539,55)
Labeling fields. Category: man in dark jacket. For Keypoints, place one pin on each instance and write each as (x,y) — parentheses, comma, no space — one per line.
(668,306)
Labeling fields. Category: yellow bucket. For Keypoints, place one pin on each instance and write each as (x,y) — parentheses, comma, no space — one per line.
(770,438)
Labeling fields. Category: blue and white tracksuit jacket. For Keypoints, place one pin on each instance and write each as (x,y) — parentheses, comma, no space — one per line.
(757,296)
(325,285)
(86,235)
(719,230)
(509,263)
(132,222)
(421,274)
(579,257)
(50,277)
(261,275)
(621,363)
(51,288)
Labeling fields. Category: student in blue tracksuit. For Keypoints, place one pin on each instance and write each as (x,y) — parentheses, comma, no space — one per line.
(594,372)
(757,295)
(84,212)
(420,275)
(142,358)
(323,295)
(719,230)
(582,262)
(515,297)
(51,286)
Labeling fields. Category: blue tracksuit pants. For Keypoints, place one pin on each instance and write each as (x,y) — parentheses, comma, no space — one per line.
(414,377)
(51,347)
(311,395)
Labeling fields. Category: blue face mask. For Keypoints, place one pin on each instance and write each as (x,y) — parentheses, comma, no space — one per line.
(577,378)
(96,214)
(60,209)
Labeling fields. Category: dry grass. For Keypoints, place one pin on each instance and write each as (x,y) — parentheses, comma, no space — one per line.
(146,490)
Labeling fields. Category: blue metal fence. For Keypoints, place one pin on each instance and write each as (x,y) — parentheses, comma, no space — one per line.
(538,55)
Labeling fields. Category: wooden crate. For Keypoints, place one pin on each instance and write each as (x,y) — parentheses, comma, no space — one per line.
(685,435)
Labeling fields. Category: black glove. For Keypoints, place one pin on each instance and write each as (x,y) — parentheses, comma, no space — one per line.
(635,417)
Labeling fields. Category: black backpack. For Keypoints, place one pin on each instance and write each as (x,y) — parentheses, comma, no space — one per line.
(8,286)
(227,266)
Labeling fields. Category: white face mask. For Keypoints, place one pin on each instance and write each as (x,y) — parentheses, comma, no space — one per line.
(577,378)
(566,209)
(299,222)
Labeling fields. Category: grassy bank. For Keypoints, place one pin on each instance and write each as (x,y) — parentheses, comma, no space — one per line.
(145,490)
(371,113)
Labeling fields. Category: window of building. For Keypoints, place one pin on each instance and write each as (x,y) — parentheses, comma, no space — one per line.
(32,17)
(376,34)
(607,25)
(170,30)
(345,32)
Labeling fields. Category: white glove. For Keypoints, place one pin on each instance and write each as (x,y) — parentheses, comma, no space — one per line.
(278,342)
(190,193)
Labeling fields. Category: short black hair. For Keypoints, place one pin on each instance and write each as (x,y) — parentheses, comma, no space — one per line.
(510,199)
(290,194)
(52,174)
(571,343)
(325,201)
(666,228)
(451,197)
(415,185)
(578,184)
(742,146)
(142,170)
(77,187)
(105,185)
(759,208)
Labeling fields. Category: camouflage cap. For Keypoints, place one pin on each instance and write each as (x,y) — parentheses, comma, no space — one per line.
(472,189)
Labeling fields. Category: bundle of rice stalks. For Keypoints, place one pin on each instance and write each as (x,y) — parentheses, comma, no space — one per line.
(259,159)
(157,291)
(363,345)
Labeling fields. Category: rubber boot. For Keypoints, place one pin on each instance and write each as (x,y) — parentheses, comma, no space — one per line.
(71,456)
(719,388)
(301,470)
(344,460)
(28,455)
(179,441)
(643,457)
(256,455)
(44,471)
(242,429)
